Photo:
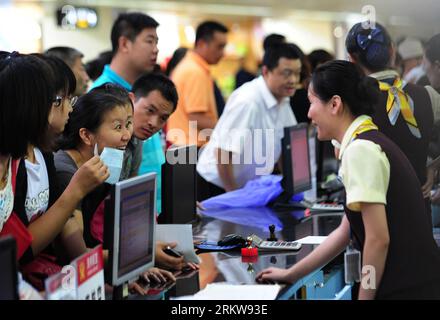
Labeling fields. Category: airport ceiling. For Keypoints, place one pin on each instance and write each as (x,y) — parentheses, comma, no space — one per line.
(417,15)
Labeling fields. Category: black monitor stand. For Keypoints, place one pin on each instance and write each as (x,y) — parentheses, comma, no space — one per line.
(283,201)
(179,191)
(120,292)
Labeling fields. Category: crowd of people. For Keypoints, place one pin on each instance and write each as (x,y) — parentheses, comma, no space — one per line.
(382,115)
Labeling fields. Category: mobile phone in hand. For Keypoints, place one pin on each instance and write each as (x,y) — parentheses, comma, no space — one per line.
(174,253)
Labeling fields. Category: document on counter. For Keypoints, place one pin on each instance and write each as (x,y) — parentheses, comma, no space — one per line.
(182,235)
(312,240)
(224,291)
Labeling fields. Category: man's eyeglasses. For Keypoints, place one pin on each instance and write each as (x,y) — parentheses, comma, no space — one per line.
(288,73)
(59,100)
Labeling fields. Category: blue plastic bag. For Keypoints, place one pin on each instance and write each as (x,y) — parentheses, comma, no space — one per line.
(256,193)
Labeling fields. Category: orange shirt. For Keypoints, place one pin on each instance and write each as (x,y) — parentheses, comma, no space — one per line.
(196,94)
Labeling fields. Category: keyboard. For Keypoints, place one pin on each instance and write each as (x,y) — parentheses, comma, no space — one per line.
(275,245)
(318,207)
(326,207)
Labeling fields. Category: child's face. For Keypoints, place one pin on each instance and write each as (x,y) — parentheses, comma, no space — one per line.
(116,128)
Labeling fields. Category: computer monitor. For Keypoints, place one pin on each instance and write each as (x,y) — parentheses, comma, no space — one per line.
(295,163)
(8,269)
(130,228)
(296,160)
(326,161)
(179,191)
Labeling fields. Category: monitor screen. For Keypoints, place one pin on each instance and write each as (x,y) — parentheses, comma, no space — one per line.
(135,247)
(134,215)
(8,269)
(179,186)
(296,161)
(300,163)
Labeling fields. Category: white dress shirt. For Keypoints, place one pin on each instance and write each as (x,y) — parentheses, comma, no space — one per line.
(251,127)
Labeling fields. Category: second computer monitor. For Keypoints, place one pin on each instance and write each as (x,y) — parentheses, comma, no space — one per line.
(296,159)
(129,228)
(179,186)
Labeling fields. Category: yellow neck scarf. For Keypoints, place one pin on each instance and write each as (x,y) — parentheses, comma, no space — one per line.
(400,102)
(365,126)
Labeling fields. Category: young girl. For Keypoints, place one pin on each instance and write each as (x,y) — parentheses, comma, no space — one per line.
(29,97)
(102,118)
(384,198)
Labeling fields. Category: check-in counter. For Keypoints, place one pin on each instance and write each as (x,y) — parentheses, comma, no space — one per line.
(229,266)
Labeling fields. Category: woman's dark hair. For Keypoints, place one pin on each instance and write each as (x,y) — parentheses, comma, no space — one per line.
(370,46)
(95,67)
(89,112)
(116,90)
(345,79)
(432,49)
(26,94)
(319,56)
(64,79)
(178,55)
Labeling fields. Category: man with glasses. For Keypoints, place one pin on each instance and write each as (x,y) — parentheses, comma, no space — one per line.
(246,141)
